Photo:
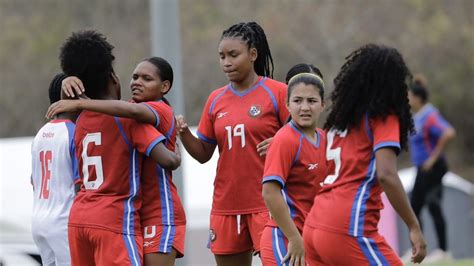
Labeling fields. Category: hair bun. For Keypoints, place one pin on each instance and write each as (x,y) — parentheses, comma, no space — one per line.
(420,80)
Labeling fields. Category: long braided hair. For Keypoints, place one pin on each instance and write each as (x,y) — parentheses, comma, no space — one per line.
(252,34)
(373,80)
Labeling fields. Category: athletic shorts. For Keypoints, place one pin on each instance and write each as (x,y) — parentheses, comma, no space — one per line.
(233,234)
(162,238)
(53,245)
(328,248)
(273,246)
(90,246)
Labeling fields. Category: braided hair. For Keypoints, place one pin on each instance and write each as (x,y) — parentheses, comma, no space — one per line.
(373,80)
(254,36)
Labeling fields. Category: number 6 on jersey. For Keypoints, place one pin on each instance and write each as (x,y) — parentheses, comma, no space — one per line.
(95,161)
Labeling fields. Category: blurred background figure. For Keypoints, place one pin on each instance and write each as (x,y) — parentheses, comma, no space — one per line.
(433,132)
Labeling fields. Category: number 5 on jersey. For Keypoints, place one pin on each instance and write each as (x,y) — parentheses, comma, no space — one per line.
(238,131)
(95,161)
(334,154)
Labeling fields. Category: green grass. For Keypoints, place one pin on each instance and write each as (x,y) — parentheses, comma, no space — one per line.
(448,263)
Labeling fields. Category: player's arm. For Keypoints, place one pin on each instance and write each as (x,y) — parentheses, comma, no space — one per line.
(387,175)
(166,158)
(275,202)
(200,150)
(448,134)
(138,112)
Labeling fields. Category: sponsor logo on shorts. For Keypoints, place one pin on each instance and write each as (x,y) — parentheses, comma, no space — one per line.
(212,235)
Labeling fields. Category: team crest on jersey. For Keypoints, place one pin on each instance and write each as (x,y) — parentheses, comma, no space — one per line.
(212,235)
(255,110)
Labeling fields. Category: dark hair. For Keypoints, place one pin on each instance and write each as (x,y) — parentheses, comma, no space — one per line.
(372,81)
(252,34)
(87,55)
(302,68)
(55,88)
(164,71)
(307,79)
(419,87)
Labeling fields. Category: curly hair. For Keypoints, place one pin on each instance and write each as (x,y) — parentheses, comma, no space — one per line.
(87,55)
(252,34)
(372,81)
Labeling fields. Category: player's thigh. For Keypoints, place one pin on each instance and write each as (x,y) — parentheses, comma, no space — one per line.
(228,235)
(273,246)
(45,250)
(160,259)
(80,246)
(117,249)
(311,256)
(164,239)
(256,223)
(239,259)
(60,244)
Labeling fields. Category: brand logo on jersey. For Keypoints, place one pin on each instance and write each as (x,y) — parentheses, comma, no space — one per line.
(312,166)
(255,110)
(147,243)
(212,235)
(220,115)
(48,135)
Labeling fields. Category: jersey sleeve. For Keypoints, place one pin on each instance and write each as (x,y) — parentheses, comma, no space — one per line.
(154,108)
(436,125)
(386,133)
(282,153)
(144,137)
(205,129)
(283,111)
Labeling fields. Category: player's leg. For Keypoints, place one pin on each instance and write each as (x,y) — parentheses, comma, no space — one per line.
(116,249)
(256,224)
(377,251)
(418,194)
(163,244)
(229,240)
(46,252)
(273,246)
(60,244)
(80,246)
(312,257)
(434,202)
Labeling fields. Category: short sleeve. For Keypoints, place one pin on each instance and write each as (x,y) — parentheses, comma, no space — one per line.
(386,133)
(205,129)
(155,110)
(282,153)
(436,125)
(144,136)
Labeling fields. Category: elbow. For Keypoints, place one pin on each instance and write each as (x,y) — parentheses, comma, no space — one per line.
(451,133)
(386,177)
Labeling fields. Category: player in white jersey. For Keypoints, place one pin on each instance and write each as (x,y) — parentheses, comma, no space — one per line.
(54,173)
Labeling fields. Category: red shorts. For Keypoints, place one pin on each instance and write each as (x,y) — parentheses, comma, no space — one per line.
(273,246)
(232,234)
(91,246)
(161,238)
(328,248)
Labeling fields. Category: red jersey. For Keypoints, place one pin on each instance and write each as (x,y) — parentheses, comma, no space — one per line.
(110,166)
(299,165)
(237,122)
(161,202)
(349,201)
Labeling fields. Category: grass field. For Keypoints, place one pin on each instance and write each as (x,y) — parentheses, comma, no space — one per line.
(449,263)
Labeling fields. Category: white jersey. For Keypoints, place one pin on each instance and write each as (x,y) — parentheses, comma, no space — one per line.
(54,172)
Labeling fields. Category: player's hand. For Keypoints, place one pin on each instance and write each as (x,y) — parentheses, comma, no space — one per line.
(72,86)
(62,106)
(262,147)
(181,124)
(295,255)
(428,164)
(418,245)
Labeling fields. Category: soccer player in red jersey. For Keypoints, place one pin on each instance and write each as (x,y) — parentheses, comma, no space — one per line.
(236,118)
(162,214)
(294,168)
(104,225)
(367,127)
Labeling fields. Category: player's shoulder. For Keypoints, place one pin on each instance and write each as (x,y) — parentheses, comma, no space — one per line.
(287,134)
(160,106)
(274,84)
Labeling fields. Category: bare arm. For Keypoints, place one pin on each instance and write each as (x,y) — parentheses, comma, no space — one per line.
(386,165)
(138,112)
(166,158)
(279,210)
(200,150)
(447,136)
